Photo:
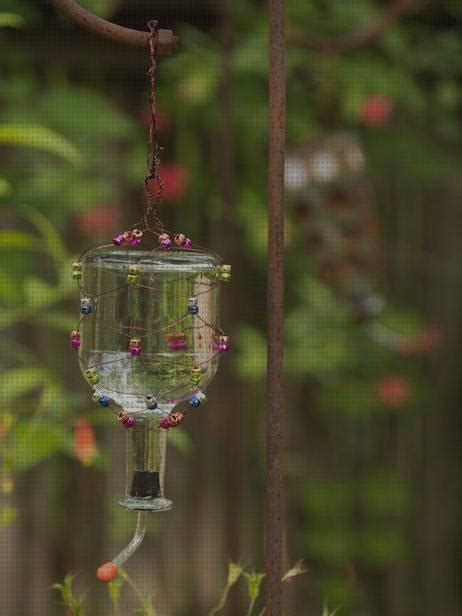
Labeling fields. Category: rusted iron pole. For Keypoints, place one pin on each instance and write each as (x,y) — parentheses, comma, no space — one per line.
(166,42)
(274,514)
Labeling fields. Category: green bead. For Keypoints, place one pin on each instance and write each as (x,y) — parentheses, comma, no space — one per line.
(92,376)
(76,271)
(133,274)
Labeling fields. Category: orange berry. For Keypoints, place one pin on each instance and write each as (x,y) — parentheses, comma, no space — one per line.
(106,573)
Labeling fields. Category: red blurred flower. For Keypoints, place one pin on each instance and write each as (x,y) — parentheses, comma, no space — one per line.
(393,390)
(175,178)
(98,218)
(85,448)
(375,111)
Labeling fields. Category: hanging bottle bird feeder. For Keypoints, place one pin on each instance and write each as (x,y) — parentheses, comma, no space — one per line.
(149,337)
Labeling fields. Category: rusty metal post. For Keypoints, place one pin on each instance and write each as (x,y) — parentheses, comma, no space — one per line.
(274,510)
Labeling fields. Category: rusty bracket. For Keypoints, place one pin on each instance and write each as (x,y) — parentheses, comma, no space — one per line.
(166,41)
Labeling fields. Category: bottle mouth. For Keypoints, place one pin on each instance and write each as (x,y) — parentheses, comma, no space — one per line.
(191,261)
(157,504)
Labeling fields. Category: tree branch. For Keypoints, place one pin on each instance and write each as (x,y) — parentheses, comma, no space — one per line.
(166,42)
(362,38)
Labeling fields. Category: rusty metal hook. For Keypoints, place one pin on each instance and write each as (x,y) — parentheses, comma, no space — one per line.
(166,39)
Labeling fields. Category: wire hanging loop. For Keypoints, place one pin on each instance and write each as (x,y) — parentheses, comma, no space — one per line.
(153,182)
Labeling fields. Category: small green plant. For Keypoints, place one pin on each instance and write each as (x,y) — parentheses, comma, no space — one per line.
(73,604)
(145,604)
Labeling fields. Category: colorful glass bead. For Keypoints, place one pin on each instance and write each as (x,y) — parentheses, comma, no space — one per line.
(194,401)
(151,402)
(104,400)
(193,307)
(196,376)
(92,376)
(86,305)
(224,273)
(200,396)
(220,344)
(164,423)
(176,342)
(165,241)
(135,238)
(183,241)
(135,347)
(133,274)
(77,271)
(120,239)
(75,339)
(174,419)
(126,419)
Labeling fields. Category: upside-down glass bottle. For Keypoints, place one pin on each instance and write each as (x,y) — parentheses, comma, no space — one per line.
(148,334)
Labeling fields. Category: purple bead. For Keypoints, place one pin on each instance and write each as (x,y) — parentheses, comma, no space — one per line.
(75,343)
(222,348)
(129,421)
(187,243)
(164,423)
(134,241)
(166,244)
(118,240)
(135,351)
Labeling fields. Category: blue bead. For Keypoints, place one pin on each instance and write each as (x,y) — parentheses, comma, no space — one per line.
(104,401)
(193,309)
(194,401)
(85,310)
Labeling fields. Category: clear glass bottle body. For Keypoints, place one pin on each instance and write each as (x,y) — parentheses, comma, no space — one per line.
(143,299)
(153,311)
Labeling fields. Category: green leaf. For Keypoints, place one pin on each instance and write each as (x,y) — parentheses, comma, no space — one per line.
(33,442)
(10,292)
(16,239)
(50,235)
(114,590)
(56,320)
(38,293)
(19,382)
(11,20)
(234,573)
(254,581)
(39,137)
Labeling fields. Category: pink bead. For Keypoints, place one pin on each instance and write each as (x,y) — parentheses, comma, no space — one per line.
(134,241)
(128,421)
(166,244)
(164,423)
(222,348)
(187,243)
(75,343)
(118,240)
(135,351)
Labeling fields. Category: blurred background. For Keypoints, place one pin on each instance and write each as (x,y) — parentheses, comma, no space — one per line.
(373,309)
